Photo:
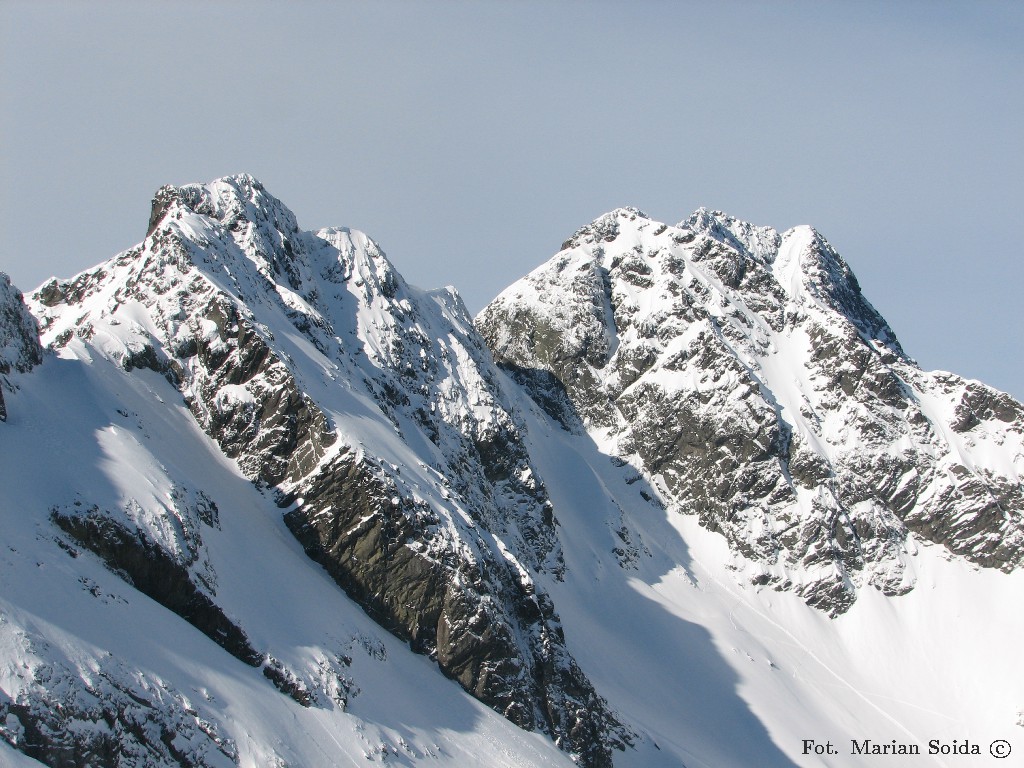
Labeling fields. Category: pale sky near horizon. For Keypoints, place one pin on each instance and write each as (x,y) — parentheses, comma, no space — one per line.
(471,138)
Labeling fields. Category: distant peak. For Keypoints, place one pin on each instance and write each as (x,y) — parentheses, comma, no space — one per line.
(628,212)
(605,227)
(760,242)
(238,196)
(240,180)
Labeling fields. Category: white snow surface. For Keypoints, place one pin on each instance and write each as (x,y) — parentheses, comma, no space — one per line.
(658,611)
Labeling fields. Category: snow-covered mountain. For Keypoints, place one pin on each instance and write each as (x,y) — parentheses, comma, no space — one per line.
(678,497)
(746,374)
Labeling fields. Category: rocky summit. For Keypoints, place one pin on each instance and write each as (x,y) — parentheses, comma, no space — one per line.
(267,504)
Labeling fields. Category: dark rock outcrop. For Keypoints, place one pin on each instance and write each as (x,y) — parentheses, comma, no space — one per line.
(157,574)
(20,349)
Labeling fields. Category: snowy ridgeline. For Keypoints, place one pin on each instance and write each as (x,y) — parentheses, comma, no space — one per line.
(671,499)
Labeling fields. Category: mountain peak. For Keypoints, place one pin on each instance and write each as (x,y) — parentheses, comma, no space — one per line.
(234,200)
(760,242)
(605,227)
(761,357)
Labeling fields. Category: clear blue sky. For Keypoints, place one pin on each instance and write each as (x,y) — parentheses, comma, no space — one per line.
(471,138)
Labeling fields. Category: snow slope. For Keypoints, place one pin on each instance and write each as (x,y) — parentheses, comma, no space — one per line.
(721,672)
(74,635)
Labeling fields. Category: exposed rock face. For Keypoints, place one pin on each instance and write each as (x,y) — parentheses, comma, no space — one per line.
(222,298)
(19,338)
(112,715)
(170,580)
(746,373)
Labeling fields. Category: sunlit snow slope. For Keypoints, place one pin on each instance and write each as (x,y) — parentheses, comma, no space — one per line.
(105,675)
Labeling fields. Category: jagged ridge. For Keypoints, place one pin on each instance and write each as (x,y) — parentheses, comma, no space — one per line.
(399,463)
